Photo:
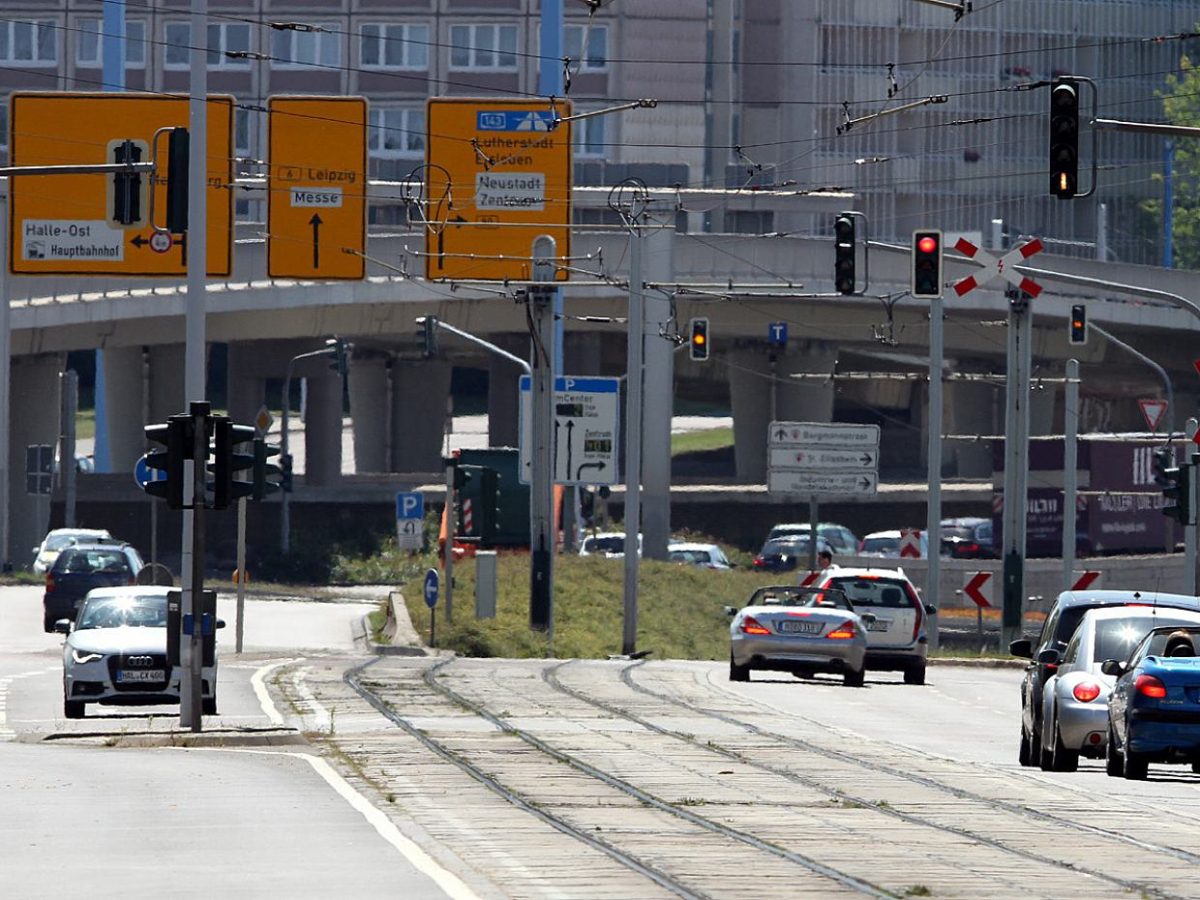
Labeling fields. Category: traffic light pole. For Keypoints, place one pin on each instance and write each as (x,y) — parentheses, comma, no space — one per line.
(633,434)
(933,521)
(191,644)
(1070,471)
(1016,464)
(541,479)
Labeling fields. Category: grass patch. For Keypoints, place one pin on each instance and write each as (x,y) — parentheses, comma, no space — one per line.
(696,441)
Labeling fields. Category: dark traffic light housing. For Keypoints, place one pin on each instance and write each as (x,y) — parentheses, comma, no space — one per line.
(1064,139)
(126,207)
(228,462)
(843,254)
(1175,482)
(698,339)
(927,263)
(267,475)
(176,436)
(1078,325)
(177,180)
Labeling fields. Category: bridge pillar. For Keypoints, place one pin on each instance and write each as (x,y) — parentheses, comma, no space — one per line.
(33,420)
(124,398)
(323,429)
(750,388)
(972,408)
(419,392)
(246,391)
(166,382)
(502,397)
(368,384)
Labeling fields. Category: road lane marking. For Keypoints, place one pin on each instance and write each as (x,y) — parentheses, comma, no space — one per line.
(322,720)
(454,886)
(260,690)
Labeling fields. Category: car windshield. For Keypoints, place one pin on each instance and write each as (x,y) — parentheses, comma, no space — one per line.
(699,557)
(609,544)
(789,595)
(1116,637)
(881,544)
(85,562)
(785,545)
(58,541)
(113,612)
(891,593)
(1158,642)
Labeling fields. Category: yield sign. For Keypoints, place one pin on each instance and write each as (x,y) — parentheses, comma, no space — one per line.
(1004,267)
(1153,411)
(979,589)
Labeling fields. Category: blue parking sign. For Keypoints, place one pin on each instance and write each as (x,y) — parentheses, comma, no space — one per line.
(410,505)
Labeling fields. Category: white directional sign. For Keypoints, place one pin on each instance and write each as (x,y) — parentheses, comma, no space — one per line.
(822,458)
(585,430)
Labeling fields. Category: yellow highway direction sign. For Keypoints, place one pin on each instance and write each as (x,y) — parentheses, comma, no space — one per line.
(498,175)
(316,207)
(60,225)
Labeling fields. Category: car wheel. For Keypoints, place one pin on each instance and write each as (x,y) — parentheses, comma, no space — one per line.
(1023,754)
(736,672)
(1114,764)
(1136,766)
(208,706)
(854,678)
(915,674)
(73,709)
(48,623)
(1064,760)
(1035,747)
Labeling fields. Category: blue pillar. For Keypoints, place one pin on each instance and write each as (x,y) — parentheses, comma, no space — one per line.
(112,50)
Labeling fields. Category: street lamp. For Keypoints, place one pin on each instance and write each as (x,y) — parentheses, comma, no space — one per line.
(336,348)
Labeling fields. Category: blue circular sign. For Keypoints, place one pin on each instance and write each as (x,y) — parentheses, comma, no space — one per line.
(431,588)
(143,474)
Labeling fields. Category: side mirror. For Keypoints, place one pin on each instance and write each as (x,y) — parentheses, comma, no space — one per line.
(63,626)
(930,609)
(220,623)
(867,618)
(1049,657)
(1022,648)
(1114,667)
(731,611)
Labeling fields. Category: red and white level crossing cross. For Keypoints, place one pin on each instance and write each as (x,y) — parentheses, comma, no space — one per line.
(1002,267)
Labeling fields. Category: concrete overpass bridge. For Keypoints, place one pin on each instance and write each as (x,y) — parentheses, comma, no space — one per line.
(398,398)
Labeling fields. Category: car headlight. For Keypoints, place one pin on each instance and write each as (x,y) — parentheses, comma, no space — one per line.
(83,656)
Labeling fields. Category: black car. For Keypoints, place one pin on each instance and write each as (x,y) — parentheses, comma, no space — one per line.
(968,539)
(1046,653)
(80,568)
(783,554)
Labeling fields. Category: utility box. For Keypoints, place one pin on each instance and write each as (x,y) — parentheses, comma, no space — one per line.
(512,502)
(485,584)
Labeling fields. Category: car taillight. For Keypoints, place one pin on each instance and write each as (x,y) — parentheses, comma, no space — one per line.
(1086,691)
(758,562)
(970,548)
(751,625)
(845,631)
(1149,686)
(49,584)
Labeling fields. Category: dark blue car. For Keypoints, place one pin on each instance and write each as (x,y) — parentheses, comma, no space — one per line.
(1154,707)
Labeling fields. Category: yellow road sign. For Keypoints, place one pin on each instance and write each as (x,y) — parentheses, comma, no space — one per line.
(60,224)
(498,175)
(317,209)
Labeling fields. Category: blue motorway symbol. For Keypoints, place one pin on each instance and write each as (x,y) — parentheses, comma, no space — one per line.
(431,588)
(515,120)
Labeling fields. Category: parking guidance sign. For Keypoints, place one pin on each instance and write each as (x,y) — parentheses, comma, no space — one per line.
(499,175)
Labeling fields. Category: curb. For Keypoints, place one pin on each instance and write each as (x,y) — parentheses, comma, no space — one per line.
(973,662)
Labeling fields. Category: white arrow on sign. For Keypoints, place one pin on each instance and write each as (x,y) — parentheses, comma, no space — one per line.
(789,458)
(1152,411)
(1002,267)
(785,481)
(824,435)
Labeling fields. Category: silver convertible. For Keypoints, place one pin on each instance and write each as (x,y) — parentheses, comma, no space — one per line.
(802,630)
(1075,698)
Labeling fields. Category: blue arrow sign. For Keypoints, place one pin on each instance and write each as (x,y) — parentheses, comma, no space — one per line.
(143,474)
(777,334)
(431,588)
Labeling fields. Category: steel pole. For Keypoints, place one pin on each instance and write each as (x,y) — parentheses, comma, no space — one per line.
(1016,465)
(70,407)
(285,522)
(933,519)
(1070,472)
(5,396)
(448,546)
(1190,531)
(543,458)
(633,436)
(241,573)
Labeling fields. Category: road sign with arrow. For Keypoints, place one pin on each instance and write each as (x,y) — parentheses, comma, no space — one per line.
(317,202)
(822,458)
(585,430)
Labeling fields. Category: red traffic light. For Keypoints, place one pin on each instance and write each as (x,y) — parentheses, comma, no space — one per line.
(927,244)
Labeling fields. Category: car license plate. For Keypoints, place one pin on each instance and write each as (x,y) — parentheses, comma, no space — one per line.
(801,627)
(879,625)
(131,676)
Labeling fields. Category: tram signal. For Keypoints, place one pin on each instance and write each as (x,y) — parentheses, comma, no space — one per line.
(1078,325)
(698,342)
(843,261)
(927,264)
(1064,139)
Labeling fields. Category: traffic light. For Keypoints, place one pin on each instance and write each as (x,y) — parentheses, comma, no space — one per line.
(177,180)
(489,504)
(176,435)
(927,263)
(428,336)
(1064,139)
(285,472)
(227,462)
(1078,330)
(266,481)
(698,341)
(125,188)
(1175,483)
(843,254)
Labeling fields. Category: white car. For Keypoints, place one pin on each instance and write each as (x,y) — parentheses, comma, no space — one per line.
(840,539)
(897,637)
(609,544)
(709,556)
(1075,698)
(116,653)
(886,544)
(47,552)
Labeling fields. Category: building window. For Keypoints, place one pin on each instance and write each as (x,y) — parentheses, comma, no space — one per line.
(595,59)
(307,48)
(492,47)
(394,46)
(396,131)
(89,47)
(3,123)
(588,136)
(223,38)
(29,42)
(241,131)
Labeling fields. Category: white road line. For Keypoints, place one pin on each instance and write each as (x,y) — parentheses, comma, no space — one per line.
(454,886)
(322,720)
(260,690)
